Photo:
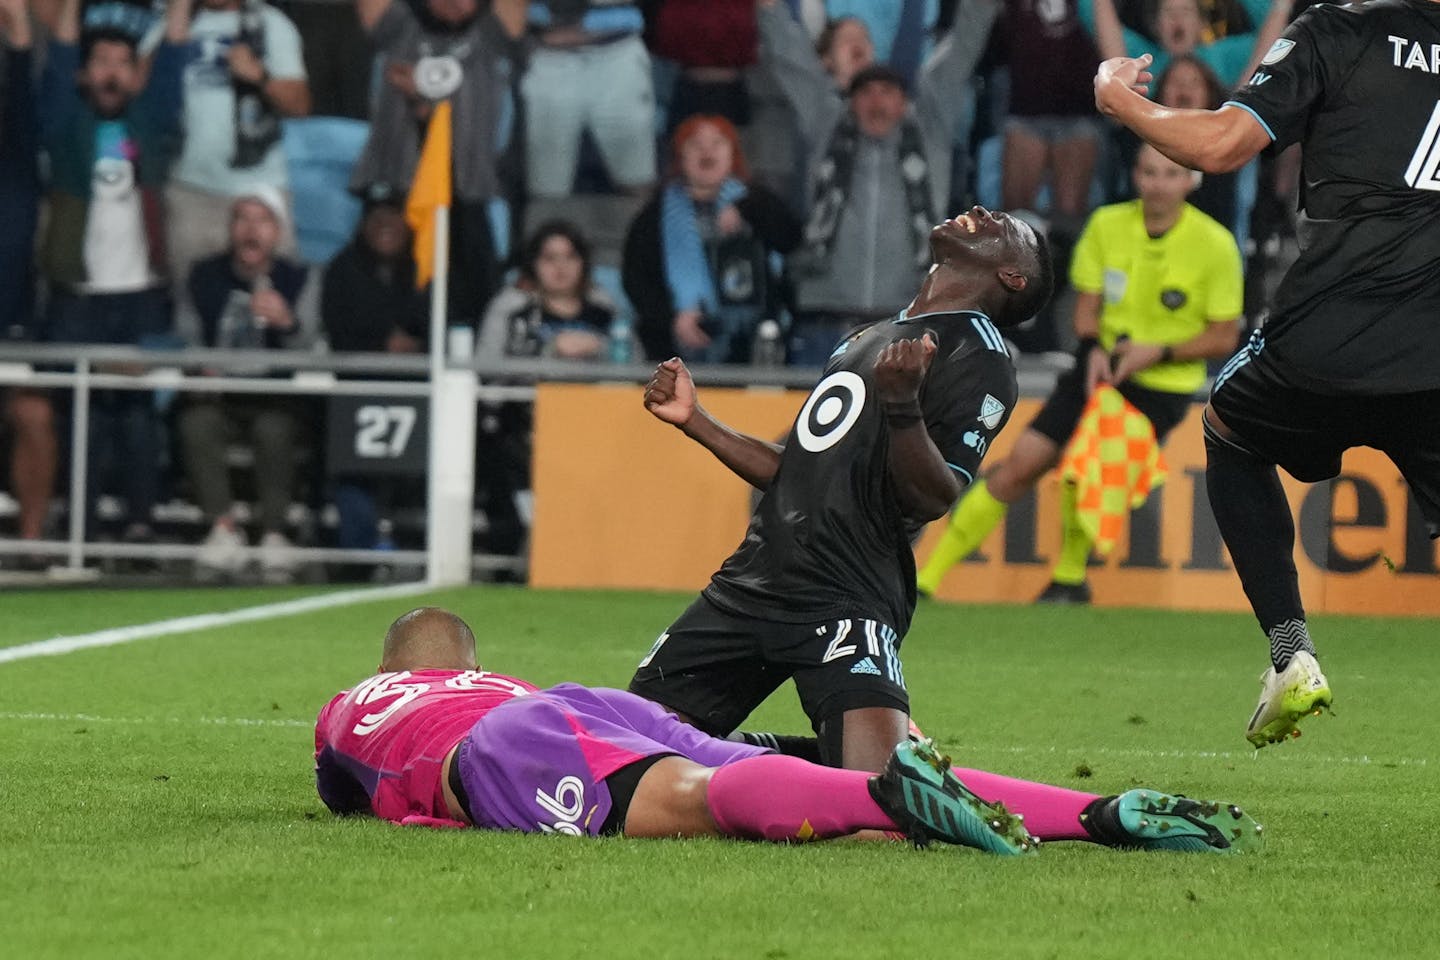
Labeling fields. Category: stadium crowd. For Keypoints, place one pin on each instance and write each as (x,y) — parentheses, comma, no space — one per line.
(729,181)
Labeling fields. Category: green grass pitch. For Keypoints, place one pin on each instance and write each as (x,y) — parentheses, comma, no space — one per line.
(156,798)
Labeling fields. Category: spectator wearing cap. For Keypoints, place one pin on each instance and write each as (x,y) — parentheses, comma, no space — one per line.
(27,413)
(368,300)
(368,303)
(246,76)
(470,54)
(247,298)
(701,261)
(878,170)
(108,135)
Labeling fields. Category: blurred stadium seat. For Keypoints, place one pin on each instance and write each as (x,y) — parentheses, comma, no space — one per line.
(320,152)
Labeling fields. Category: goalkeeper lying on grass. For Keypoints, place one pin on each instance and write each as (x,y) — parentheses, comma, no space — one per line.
(433,740)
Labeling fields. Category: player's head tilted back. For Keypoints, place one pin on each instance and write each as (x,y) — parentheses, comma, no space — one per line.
(999,261)
(428,638)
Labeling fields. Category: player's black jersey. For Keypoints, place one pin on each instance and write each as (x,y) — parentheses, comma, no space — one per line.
(828,539)
(1359,87)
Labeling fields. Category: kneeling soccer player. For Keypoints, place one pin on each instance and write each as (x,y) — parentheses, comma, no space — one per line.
(433,740)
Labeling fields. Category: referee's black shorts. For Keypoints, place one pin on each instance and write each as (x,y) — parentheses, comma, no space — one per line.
(1307,432)
(715,667)
(1061,414)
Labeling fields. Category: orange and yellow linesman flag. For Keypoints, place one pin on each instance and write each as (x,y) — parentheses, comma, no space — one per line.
(430,189)
(1114,462)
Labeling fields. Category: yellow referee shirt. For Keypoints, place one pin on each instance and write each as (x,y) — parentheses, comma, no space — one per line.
(1159,290)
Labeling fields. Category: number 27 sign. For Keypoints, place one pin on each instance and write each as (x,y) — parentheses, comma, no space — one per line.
(376,435)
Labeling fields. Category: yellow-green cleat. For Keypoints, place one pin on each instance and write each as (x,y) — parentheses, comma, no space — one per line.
(1300,690)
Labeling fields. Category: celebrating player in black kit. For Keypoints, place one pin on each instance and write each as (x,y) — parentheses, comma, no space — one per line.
(1351,353)
(823,587)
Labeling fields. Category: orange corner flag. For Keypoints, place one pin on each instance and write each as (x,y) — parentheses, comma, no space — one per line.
(430,189)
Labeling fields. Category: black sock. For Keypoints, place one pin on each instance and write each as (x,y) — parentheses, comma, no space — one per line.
(1254,518)
(1101,819)
(806,748)
(1288,639)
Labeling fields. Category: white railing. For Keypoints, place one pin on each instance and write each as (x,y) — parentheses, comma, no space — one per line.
(82,369)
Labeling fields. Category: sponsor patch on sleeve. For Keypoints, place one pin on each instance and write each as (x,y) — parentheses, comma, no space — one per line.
(1278,51)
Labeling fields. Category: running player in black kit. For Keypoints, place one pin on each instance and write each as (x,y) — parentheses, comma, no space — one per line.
(823,587)
(1351,353)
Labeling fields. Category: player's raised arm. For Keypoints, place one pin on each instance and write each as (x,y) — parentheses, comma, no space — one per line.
(1215,141)
(670,396)
(925,484)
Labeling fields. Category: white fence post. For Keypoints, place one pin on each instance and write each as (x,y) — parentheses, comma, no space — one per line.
(79,464)
(450,519)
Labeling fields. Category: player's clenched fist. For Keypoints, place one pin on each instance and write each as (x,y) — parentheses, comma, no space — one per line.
(1119,74)
(901,367)
(670,394)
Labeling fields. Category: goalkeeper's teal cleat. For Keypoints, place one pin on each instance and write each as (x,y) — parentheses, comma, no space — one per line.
(928,802)
(1300,690)
(1151,820)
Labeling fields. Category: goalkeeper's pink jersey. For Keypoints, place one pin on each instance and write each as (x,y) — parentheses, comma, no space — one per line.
(381,745)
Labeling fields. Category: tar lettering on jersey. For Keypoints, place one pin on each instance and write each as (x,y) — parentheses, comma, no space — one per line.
(1412,55)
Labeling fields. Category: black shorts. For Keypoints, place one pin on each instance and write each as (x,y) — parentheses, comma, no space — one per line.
(1306,432)
(1061,413)
(716,667)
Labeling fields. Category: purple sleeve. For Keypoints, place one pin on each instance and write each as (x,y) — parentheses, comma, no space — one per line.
(341,792)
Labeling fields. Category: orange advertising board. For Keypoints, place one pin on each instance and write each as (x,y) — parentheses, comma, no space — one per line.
(622,500)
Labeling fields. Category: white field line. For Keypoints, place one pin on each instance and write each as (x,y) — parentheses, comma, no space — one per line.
(1272,754)
(161,721)
(207,621)
(1279,753)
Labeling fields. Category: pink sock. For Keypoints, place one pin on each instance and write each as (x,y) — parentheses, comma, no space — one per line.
(1051,813)
(786,799)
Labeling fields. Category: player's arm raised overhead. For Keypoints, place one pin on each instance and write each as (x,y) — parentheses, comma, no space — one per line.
(924,483)
(670,396)
(1215,141)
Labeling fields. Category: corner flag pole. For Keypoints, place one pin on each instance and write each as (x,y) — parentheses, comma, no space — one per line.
(435,521)
(450,473)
